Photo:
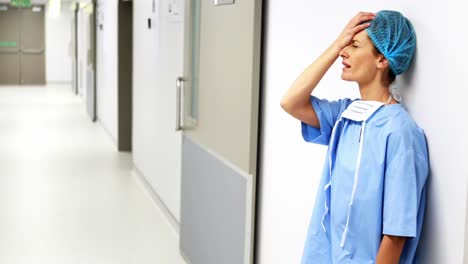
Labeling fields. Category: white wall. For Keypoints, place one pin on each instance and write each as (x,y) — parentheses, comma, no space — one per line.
(434,91)
(58,61)
(157,61)
(106,73)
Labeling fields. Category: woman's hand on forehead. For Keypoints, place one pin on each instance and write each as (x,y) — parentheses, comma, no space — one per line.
(354,26)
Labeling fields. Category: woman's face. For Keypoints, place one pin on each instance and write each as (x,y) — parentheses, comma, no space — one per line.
(360,60)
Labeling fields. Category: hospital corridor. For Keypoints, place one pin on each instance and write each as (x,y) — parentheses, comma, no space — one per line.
(166,132)
(66,195)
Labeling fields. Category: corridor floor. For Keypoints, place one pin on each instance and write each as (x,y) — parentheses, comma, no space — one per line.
(66,195)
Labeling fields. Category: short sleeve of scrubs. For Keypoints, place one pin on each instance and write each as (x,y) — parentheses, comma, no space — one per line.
(328,113)
(405,175)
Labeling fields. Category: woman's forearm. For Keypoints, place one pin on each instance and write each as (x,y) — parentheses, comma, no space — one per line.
(296,101)
(390,249)
(299,92)
(297,96)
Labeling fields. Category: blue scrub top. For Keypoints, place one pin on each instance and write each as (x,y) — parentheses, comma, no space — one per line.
(390,193)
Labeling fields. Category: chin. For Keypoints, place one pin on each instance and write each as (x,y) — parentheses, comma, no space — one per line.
(345,77)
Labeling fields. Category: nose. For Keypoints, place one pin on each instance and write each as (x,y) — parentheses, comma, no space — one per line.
(343,53)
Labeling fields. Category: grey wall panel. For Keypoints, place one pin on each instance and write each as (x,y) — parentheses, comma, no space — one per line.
(74,76)
(90,94)
(213,208)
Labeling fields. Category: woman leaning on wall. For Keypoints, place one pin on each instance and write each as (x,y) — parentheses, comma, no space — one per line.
(371,198)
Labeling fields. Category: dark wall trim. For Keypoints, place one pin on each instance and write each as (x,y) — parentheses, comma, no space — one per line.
(125,69)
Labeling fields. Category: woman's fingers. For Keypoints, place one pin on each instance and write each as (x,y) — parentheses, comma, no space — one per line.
(360,27)
(364,14)
(355,25)
(361,17)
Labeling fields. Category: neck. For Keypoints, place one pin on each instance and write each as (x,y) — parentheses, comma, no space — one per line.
(375,91)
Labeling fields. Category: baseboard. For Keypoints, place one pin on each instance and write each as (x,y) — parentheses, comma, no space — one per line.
(184,257)
(156,199)
(113,139)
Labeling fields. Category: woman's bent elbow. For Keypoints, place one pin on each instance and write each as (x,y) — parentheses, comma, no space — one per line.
(285,105)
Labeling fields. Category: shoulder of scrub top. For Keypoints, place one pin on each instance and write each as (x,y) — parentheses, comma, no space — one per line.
(400,128)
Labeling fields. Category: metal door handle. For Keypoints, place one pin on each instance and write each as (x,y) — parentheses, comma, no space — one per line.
(180,87)
(183,119)
(90,57)
(32,51)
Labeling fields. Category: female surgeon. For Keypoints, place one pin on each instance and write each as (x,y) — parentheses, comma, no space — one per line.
(371,199)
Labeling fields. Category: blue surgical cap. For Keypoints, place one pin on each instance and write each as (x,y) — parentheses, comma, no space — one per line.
(394,37)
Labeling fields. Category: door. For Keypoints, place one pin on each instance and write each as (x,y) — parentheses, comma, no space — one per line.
(73,48)
(91,65)
(157,62)
(219,102)
(166,24)
(22,45)
(9,45)
(32,57)
(86,61)
(82,48)
(85,56)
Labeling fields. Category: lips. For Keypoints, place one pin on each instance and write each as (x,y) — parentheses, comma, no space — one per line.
(346,65)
